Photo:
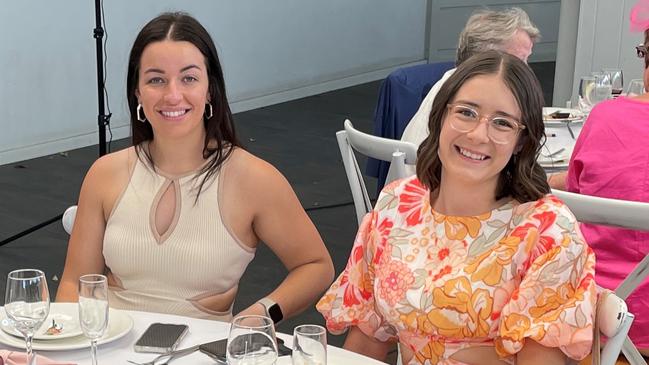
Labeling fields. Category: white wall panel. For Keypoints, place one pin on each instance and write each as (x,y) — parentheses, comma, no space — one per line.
(604,40)
(271,51)
(448,17)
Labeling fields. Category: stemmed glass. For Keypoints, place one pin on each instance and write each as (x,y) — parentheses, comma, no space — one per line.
(616,78)
(252,341)
(309,345)
(93,309)
(27,303)
(586,91)
(636,87)
(603,88)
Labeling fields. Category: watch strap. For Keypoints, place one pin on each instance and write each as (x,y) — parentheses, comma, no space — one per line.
(273,310)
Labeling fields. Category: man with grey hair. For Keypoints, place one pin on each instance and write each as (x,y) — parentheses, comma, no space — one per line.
(509,30)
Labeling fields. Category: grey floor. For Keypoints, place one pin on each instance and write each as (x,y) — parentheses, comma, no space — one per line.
(298,137)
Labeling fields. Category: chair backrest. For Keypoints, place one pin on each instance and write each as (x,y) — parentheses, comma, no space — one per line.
(622,214)
(400,96)
(614,321)
(68,218)
(398,153)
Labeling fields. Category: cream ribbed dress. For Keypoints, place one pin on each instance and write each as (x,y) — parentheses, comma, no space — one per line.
(196,258)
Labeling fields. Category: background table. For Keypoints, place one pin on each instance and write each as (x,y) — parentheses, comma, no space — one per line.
(558,136)
(200,331)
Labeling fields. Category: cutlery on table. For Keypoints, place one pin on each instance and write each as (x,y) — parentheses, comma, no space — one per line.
(552,154)
(166,358)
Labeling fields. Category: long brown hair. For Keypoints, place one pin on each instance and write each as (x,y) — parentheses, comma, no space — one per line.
(220,137)
(522,178)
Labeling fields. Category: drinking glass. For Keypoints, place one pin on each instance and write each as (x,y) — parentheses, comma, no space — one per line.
(602,90)
(586,90)
(252,341)
(27,303)
(616,78)
(93,309)
(309,345)
(636,87)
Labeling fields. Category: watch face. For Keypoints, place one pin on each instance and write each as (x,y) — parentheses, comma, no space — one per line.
(275,313)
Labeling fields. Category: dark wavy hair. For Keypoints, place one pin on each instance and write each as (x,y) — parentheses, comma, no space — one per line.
(220,137)
(522,178)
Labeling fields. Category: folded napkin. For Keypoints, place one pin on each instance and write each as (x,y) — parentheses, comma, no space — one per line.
(20,358)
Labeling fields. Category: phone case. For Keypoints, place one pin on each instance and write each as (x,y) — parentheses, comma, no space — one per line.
(161,338)
(215,349)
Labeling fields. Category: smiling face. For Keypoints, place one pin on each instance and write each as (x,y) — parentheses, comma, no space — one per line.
(173,88)
(472,158)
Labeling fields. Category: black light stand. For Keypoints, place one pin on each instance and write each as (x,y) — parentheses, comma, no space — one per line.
(102,119)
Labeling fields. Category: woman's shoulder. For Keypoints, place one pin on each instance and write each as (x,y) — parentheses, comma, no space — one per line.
(252,175)
(545,210)
(113,165)
(244,165)
(401,186)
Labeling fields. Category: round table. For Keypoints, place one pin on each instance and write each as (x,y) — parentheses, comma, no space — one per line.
(200,331)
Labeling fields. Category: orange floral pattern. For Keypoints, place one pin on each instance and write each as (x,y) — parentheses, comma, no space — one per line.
(439,284)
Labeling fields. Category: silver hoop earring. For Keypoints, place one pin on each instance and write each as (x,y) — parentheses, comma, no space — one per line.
(138,112)
(208,115)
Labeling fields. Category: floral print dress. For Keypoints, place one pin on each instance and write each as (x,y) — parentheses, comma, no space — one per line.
(439,284)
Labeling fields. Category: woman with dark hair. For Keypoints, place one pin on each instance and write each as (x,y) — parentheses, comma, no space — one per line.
(174,220)
(471,261)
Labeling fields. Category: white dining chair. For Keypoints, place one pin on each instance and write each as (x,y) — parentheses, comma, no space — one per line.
(617,213)
(398,153)
(68,218)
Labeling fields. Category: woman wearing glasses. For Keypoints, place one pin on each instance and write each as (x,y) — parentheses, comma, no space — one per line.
(471,261)
(610,160)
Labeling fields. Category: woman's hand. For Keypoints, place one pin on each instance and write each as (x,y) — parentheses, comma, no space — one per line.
(558,180)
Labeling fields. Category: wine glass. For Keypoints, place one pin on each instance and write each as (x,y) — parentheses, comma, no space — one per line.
(602,90)
(309,345)
(252,341)
(27,303)
(636,87)
(617,80)
(586,89)
(93,309)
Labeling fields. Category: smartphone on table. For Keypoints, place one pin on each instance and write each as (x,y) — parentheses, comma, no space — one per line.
(217,349)
(161,338)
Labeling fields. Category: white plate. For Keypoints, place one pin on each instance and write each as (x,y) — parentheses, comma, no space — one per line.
(119,324)
(65,314)
(576,116)
(559,160)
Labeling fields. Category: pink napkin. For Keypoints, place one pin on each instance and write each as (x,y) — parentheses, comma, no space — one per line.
(20,358)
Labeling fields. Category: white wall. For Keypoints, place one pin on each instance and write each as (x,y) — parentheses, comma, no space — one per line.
(448,17)
(604,40)
(271,51)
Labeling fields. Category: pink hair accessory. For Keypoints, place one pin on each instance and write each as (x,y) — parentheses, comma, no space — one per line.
(639,19)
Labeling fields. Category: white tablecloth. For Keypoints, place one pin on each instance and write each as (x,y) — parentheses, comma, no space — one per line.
(558,136)
(200,331)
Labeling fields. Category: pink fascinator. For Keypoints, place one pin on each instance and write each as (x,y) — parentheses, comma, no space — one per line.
(640,16)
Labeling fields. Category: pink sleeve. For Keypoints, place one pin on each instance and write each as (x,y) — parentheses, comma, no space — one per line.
(576,165)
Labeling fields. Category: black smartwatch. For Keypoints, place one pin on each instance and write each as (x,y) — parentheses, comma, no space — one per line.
(273,311)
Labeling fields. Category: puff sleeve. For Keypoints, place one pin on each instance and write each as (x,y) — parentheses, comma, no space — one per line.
(555,302)
(350,300)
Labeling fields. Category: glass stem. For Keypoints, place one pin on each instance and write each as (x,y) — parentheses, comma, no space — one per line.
(31,359)
(93,351)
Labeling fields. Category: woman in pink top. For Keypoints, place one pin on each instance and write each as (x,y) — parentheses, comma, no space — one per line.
(611,160)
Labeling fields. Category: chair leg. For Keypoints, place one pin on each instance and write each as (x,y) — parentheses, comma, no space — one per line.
(632,354)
